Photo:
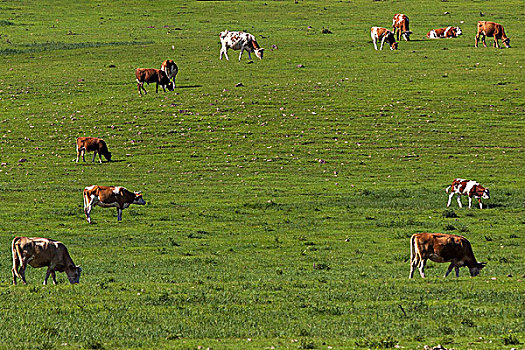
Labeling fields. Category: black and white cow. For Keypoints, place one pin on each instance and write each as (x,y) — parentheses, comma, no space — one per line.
(239,41)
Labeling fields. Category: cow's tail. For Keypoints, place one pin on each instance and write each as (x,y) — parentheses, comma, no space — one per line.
(17,256)
(412,248)
(448,188)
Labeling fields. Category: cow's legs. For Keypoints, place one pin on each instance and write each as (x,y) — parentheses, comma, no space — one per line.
(141,86)
(242,50)
(50,272)
(480,205)
(88,206)
(382,42)
(496,43)
(450,267)
(224,52)
(450,198)
(22,272)
(422,267)
(374,40)
(413,266)
(100,158)
(94,155)
(459,201)
(469,202)
(119,214)
(16,265)
(483,40)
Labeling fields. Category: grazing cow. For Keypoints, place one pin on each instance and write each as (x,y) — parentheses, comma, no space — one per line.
(110,196)
(152,75)
(400,22)
(442,248)
(95,145)
(40,252)
(239,41)
(170,68)
(448,32)
(492,29)
(379,33)
(467,188)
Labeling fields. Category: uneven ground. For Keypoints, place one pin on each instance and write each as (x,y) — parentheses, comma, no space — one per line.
(279,212)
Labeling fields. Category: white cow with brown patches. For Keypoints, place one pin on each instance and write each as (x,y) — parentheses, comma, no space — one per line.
(239,41)
(448,32)
(110,196)
(383,34)
(401,27)
(467,188)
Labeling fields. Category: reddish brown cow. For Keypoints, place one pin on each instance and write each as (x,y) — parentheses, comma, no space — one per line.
(401,24)
(95,145)
(467,188)
(442,248)
(492,29)
(40,252)
(170,68)
(152,75)
(110,196)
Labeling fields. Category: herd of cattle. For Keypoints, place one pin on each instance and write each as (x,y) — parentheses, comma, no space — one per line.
(438,247)
(401,28)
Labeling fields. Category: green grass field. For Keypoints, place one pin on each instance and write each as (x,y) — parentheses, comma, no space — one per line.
(279,212)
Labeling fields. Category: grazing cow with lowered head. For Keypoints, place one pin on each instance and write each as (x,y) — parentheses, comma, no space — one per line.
(40,252)
(170,68)
(383,34)
(239,41)
(110,196)
(467,188)
(492,29)
(442,248)
(400,26)
(448,32)
(95,145)
(152,75)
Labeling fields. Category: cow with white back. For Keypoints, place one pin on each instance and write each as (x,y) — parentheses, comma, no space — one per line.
(152,75)
(41,252)
(239,41)
(170,68)
(95,145)
(448,32)
(110,196)
(442,248)
(383,34)
(491,29)
(467,188)
(400,26)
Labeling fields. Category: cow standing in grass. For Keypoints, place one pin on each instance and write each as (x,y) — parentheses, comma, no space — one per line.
(383,34)
(462,187)
(152,75)
(400,26)
(110,196)
(239,41)
(92,144)
(170,68)
(491,29)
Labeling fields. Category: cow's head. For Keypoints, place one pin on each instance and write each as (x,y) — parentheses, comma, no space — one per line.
(406,35)
(170,86)
(458,31)
(507,43)
(138,199)
(259,52)
(394,46)
(222,35)
(475,270)
(486,194)
(73,274)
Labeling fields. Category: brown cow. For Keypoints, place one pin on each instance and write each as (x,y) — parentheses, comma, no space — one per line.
(152,75)
(442,248)
(492,29)
(383,34)
(40,252)
(469,189)
(95,145)
(110,196)
(170,68)
(401,23)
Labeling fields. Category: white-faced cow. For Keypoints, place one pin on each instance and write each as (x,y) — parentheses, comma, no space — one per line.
(170,68)
(383,34)
(152,75)
(491,29)
(468,188)
(95,145)
(41,252)
(239,41)
(448,32)
(442,248)
(400,26)
(110,196)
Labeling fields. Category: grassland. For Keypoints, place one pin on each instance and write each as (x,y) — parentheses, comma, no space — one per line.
(278,212)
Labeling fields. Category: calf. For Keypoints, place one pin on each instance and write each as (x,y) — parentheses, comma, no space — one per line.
(152,75)
(491,29)
(442,248)
(40,252)
(110,196)
(383,34)
(467,188)
(239,41)
(400,26)
(95,145)
(170,68)
(448,32)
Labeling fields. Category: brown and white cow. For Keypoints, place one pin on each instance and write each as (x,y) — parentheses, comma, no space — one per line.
(170,68)
(239,41)
(492,29)
(467,188)
(95,145)
(152,75)
(40,252)
(383,34)
(400,26)
(110,196)
(448,32)
(442,248)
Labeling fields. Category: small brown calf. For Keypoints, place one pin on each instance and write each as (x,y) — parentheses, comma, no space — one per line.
(95,145)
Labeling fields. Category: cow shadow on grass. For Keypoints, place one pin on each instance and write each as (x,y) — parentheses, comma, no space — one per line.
(188,86)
